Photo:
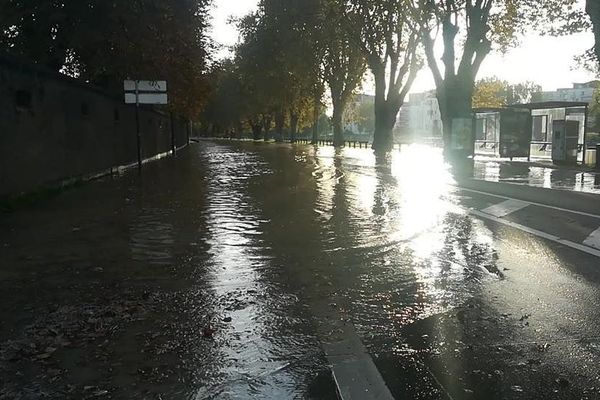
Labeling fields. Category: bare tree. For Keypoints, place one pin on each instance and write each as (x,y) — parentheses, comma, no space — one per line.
(389,39)
(343,64)
(593,10)
(470,30)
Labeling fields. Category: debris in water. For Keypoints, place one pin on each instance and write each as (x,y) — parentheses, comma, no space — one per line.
(208,332)
(562,381)
(524,317)
(543,347)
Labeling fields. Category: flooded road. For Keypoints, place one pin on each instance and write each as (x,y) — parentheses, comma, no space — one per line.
(227,272)
(537,175)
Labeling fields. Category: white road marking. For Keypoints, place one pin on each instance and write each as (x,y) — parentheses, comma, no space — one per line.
(593,240)
(506,207)
(577,246)
(532,202)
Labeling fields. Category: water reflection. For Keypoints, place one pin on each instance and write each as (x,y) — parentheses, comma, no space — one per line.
(260,343)
(550,178)
(262,235)
(404,245)
(151,237)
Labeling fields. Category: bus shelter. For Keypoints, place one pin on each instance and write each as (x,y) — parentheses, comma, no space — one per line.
(559,130)
(502,132)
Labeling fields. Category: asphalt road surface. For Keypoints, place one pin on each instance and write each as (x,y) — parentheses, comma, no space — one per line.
(241,270)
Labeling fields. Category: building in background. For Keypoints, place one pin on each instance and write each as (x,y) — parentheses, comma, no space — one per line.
(424,119)
(402,132)
(543,119)
(583,92)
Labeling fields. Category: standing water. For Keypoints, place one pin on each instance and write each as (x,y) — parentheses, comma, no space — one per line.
(217,274)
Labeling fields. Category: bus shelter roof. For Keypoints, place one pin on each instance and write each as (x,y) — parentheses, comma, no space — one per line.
(545,105)
(483,110)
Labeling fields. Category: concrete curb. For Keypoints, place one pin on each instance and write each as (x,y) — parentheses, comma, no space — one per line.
(6,201)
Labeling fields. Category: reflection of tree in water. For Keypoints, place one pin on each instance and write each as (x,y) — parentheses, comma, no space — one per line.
(246,224)
(383,201)
(444,277)
(340,190)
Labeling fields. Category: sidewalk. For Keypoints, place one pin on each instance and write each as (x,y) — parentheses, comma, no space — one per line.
(537,173)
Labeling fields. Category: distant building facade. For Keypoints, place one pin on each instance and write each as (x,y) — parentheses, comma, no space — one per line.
(583,92)
(424,118)
(543,119)
(418,119)
(402,132)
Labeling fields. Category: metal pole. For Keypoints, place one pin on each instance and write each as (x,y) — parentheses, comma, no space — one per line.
(530,127)
(189,131)
(172,134)
(137,126)
(585,123)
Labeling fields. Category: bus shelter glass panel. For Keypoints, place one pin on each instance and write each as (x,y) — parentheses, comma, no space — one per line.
(515,133)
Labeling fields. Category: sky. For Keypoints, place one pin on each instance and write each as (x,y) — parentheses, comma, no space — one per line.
(547,61)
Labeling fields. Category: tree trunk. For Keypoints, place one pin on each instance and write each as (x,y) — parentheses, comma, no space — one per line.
(315,128)
(338,133)
(455,99)
(256,131)
(386,110)
(385,119)
(593,10)
(239,130)
(266,121)
(279,122)
(293,127)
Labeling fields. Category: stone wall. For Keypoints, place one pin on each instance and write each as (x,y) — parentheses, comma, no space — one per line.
(54,128)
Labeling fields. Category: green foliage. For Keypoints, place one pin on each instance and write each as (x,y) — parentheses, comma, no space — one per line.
(495,93)
(470,30)
(104,42)
(594,110)
(226,104)
(524,92)
(343,62)
(277,59)
(363,114)
(593,10)
(490,92)
(385,31)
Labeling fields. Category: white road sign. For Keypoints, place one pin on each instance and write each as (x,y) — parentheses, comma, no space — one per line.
(145,92)
(147,98)
(145,86)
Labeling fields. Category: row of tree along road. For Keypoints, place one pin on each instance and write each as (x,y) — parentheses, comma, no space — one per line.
(291,51)
(105,42)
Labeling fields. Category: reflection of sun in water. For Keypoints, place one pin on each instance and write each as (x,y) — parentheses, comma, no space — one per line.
(367,185)
(324,174)
(425,191)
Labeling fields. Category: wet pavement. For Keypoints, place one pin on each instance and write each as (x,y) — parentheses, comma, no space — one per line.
(231,272)
(538,175)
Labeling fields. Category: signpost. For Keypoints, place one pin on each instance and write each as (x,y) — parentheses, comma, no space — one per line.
(144,92)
